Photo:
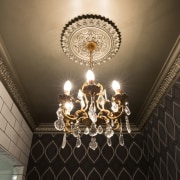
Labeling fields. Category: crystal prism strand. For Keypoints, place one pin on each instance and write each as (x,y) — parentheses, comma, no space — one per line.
(78,142)
(101,101)
(69,106)
(86,131)
(105,94)
(92,113)
(112,123)
(93,144)
(127,110)
(100,129)
(121,138)
(114,107)
(127,124)
(64,141)
(80,97)
(109,142)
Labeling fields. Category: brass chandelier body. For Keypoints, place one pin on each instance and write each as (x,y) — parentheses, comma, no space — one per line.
(92,113)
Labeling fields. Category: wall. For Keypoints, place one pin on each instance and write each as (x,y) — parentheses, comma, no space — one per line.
(162,137)
(48,161)
(6,169)
(15,134)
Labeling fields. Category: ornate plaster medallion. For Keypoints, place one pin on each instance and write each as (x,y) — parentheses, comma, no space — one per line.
(90,28)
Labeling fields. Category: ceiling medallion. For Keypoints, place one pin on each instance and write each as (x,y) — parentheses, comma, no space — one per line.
(86,28)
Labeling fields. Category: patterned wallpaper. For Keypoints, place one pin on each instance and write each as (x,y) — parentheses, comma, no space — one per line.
(154,155)
(162,138)
(49,162)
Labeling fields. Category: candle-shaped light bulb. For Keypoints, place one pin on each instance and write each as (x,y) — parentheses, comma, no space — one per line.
(90,77)
(116,87)
(67,87)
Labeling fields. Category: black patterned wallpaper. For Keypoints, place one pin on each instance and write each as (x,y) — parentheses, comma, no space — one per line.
(154,155)
(49,162)
(162,138)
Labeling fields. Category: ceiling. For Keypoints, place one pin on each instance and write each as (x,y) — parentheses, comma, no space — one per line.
(33,58)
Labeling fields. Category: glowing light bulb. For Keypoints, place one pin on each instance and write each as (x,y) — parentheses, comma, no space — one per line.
(116,86)
(90,77)
(67,87)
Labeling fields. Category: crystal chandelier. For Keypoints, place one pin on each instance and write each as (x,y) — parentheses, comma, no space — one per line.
(91,113)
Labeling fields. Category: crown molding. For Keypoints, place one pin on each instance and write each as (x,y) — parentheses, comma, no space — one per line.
(49,127)
(168,74)
(10,80)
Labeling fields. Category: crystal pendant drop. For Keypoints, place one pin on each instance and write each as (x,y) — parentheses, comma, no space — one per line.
(114,107)
(78,142)
(93,130)
(109,142)
(121,139)
(102,101)
(127,110)
(109,132)
(127,124)
(76,131)
(93,144)
(92,113)
(80,94)
(112,123)
(86,131)
(64,141)
(82,103)
(59,111)
(100,129)
(59,124)
(80,97)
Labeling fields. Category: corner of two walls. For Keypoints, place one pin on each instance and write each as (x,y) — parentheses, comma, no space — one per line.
(162,137)
(15,134)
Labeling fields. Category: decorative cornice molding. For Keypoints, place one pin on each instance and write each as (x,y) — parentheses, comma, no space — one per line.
(11,81)
(168,74)
(49,127)
(8,81)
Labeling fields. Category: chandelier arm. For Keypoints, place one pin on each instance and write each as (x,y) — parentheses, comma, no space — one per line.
(69,116)
(107,112)
(110,115)
(97,102)
(105,118)
(101,87)
(86,102)
(81,112)
(67,130)
(117,125)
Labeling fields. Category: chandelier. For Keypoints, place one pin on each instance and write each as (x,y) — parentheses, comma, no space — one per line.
(91,40)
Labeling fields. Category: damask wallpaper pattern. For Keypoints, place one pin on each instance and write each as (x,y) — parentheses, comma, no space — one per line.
(48,161)
(162,137)
(152,155)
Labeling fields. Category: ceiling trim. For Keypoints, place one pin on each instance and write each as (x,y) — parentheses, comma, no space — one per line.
(168,74)
(10,80)
(49,127)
